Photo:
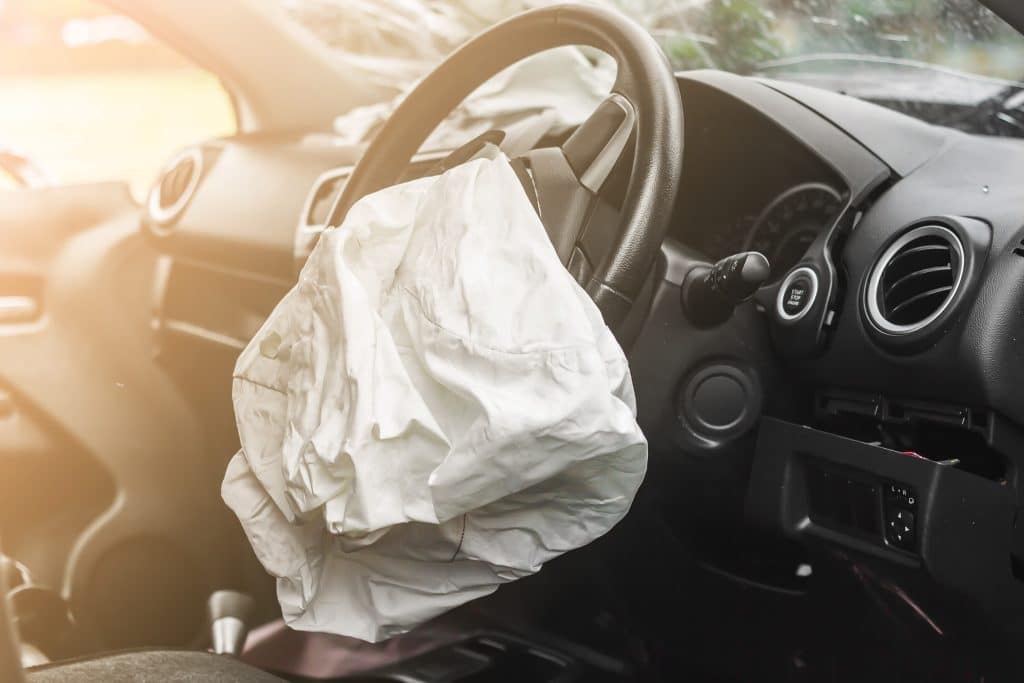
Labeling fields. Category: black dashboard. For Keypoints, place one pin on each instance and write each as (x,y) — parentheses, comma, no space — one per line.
(897,370)
(750,186)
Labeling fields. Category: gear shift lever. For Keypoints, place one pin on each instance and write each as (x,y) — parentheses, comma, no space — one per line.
(229,613)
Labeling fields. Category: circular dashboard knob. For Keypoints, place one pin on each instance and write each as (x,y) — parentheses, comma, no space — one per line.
(718,403)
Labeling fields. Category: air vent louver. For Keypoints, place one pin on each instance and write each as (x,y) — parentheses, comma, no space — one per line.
(176,186)
(324,196)
(915,279)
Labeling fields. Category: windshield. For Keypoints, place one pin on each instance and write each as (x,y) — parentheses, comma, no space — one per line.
(902,53)
(746,36)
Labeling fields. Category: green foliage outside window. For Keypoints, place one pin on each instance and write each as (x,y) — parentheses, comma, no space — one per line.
(738,35)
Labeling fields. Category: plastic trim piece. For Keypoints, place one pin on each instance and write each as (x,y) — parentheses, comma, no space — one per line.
(601,167)
(329,176)
(18,309)
(875,314)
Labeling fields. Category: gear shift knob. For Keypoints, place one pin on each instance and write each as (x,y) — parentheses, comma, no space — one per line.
(229,613)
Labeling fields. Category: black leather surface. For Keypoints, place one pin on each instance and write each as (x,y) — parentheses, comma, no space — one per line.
(644,78)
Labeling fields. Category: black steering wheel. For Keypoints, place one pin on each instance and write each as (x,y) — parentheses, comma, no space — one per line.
(644,107)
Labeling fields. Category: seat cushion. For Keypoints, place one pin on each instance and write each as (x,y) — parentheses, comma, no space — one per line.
(150,666)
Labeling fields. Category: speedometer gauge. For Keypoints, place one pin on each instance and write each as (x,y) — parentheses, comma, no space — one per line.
(787,227)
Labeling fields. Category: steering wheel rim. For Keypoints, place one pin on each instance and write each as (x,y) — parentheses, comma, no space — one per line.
(611,267)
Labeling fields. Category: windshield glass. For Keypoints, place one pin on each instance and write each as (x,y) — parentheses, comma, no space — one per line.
(901,53)
(746,36)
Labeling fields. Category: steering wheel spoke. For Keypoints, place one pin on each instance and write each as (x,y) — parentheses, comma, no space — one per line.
(562,201)
(563,182)
(595,148)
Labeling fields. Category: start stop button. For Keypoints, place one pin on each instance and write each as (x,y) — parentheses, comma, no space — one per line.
(796,295)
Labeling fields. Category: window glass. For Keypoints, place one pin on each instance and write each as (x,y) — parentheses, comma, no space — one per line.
(88,95)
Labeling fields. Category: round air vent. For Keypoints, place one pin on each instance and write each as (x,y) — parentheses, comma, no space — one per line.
(915,280)
(175,186)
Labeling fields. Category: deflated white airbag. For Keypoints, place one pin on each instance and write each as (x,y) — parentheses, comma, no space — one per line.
(434,409)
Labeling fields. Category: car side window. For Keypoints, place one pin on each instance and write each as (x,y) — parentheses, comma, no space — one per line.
(88,95)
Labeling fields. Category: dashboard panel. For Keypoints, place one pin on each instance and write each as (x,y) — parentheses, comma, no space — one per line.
(780,196)
(763,170)
(786,228)
(817,182)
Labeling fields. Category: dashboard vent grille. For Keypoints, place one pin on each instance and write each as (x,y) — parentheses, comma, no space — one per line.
(175,182)
(176,185)
(323,198)
(915,280)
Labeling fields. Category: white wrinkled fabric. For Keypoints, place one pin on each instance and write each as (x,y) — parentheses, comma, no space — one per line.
(436,408)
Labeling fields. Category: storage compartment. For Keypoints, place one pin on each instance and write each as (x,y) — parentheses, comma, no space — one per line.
(951,435)
(209,306)
(844,500)
(887,505)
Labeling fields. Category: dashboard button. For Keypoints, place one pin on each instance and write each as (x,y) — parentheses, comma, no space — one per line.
(901,495)
(797,294)
(900,529)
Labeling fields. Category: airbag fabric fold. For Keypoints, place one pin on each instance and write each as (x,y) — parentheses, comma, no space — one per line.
(435,408)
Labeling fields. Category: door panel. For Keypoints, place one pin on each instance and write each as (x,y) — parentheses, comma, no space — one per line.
(109,488)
